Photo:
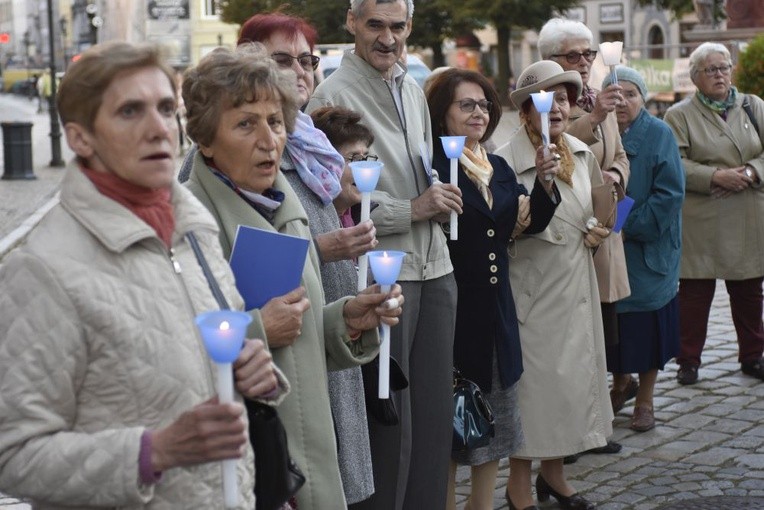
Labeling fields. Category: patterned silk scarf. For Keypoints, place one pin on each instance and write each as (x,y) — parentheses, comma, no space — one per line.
(566,157)
(587,99)
(318,163)
(719,107)
(479,170)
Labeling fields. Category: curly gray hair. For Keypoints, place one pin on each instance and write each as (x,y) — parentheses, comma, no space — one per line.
(701,53)
(556,32)
(228,78)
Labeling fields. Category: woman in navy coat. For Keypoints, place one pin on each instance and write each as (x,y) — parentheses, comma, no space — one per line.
(496,209)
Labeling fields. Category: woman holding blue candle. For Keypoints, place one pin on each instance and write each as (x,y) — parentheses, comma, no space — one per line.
(563,394)
(496,208)
(241,107)
(108,398)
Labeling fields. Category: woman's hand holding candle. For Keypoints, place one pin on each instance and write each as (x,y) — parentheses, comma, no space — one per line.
(371,307)
(547,165)
(253,370)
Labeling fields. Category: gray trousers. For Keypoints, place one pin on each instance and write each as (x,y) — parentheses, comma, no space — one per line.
(411,459)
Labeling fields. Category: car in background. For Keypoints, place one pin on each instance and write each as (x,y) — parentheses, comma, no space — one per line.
(416,68)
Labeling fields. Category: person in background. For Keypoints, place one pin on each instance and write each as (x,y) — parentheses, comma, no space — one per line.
(569,43)
(410,459)
(496,210)
(562,394)
(648,319)
(108,395)
(722,232)
(241,106)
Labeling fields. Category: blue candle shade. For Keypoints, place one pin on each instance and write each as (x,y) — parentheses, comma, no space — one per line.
(386,265)
(366,174)
(223,332)
(453,145)
(542,101)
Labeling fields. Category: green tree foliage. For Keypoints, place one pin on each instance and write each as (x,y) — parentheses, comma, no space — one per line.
(438,20)
(749,74)
(504,15)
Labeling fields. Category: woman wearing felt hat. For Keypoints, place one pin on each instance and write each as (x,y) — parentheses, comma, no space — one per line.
(648,320)
(563,393)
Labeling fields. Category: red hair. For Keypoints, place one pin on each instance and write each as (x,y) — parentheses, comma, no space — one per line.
(261,27)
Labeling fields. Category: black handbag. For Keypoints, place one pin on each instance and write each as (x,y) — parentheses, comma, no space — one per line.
(382,409)
(473,417)
(277,477)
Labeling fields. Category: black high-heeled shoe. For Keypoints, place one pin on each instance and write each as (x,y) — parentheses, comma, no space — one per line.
(512,505)
(572,502)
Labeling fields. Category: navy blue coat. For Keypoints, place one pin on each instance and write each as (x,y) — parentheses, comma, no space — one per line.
(486,320)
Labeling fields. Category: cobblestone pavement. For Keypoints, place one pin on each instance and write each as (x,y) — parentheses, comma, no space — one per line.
(709,440)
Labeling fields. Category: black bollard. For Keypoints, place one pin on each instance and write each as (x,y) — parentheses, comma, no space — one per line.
(17,150)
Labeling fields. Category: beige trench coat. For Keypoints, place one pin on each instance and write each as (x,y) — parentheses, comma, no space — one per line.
(721,238)
(605,144)
(563,393)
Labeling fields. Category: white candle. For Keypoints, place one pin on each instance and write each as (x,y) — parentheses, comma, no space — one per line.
(363,260)
(453,147)
(611,56)
(365,175)
(225,395)
(454,221)
(542,101)
(384,356)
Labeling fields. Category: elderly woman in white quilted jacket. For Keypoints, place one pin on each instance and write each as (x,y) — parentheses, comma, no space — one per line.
(108,397)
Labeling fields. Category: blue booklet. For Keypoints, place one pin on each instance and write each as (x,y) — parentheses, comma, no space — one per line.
(266,264)
(624,208)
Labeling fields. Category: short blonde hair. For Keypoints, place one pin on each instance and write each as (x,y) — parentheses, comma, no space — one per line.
(81,92)
(228,78)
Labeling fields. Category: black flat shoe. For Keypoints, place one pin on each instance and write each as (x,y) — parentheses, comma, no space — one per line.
(572,502)
(753,368)
(687,374)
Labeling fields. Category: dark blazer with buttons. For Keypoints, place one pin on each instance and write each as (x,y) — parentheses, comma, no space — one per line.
(486,321)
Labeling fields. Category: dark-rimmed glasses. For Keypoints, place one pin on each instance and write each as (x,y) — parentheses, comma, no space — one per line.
(468,105)
(353,158)
(307,62)
(574,57)
(712,70)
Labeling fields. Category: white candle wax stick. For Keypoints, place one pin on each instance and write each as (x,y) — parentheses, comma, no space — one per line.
(613,75)
(363,260)
(384,356)
(225,395)
(545,137)
(455,181)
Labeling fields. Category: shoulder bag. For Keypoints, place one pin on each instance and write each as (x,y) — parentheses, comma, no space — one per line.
(473,416)
(277,477)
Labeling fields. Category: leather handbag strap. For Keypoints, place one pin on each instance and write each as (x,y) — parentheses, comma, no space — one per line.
(749,112)
(211,281)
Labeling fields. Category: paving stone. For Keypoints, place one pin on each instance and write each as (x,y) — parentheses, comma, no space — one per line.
(753,461)
(728,425)
(706,437)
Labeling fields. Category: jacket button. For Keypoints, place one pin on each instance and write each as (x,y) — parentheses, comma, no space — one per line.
(558,237)
(491,256)
(490,232)
(493,280)
(493,268)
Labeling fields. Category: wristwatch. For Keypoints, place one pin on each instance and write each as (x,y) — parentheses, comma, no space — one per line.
(749,173)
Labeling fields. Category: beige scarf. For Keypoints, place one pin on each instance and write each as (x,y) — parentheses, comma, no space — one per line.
(479,170)
(566,156)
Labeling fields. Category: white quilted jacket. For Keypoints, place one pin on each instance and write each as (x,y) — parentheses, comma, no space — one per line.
(98,343)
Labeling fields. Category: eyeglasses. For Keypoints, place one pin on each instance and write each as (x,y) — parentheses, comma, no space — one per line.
(711,71)
(307,62)
(360,157)
(574,57)
(468,105)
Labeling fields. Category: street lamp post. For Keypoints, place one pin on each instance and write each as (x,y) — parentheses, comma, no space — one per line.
(55,127)
(62,22)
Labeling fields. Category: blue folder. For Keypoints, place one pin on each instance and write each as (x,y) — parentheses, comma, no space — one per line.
(266,264)
(624,208)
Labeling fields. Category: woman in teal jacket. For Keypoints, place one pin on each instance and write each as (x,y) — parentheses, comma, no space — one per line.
(648,320)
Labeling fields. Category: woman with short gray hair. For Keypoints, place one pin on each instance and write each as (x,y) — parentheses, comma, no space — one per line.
(718,131)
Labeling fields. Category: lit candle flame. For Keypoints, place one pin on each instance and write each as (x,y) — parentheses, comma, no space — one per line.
(384,254)
(224,326)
